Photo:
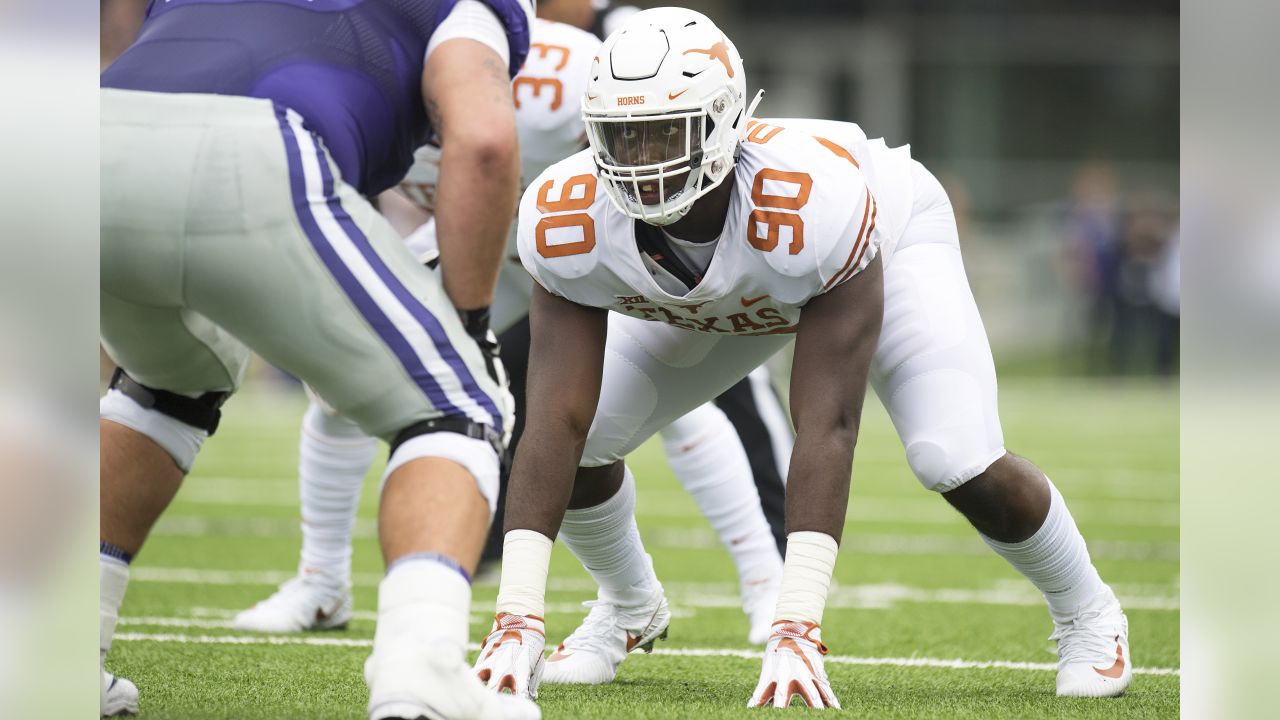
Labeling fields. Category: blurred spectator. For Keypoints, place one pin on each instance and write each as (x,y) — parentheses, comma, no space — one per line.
(1139,339)
(1123,260)
(1093,236)
(1166,292)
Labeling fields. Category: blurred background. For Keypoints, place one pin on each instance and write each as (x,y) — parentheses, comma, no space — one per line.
(1053,125)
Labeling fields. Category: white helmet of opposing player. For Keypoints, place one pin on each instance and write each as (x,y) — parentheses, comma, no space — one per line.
(664,111)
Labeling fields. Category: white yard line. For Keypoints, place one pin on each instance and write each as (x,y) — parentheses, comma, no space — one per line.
(952,664)
(698,538)
(481,612)
(692,595)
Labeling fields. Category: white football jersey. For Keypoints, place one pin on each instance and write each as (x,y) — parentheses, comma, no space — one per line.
(805,216)
(546,92)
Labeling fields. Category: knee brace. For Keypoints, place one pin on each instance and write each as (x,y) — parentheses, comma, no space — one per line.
(177,423)
(472,445)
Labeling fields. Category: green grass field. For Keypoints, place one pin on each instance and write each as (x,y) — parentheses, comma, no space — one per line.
(923,621)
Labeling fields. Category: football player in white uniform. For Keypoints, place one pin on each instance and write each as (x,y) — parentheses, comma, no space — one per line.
(714,239)
(334,454)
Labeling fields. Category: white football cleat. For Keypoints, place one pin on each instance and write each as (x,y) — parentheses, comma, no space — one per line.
(759,599)
(592,654)
(412,682)
(310,601)
(1093,650)
(510,658)
(118,696)
(793,666)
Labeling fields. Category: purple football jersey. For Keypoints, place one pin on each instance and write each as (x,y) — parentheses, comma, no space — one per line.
(351,68)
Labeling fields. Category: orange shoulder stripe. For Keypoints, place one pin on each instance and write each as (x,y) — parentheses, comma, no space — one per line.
(866,241)
(850,262)
(838,150)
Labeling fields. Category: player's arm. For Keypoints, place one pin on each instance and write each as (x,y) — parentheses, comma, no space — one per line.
(468,96)
(566,362)
(837,335)
(400,211)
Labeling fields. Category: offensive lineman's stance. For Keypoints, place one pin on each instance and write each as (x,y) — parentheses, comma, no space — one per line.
(713,237)
(239,139)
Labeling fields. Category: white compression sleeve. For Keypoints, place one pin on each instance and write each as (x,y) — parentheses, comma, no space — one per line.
(333,456)
(474,20)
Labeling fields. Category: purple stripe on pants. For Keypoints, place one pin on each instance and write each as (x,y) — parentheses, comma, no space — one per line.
(364,303)
(407,299)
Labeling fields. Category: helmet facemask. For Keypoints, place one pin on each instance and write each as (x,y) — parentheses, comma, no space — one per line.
(656,164)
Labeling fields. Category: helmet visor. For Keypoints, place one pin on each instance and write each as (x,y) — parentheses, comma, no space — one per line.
(660,143)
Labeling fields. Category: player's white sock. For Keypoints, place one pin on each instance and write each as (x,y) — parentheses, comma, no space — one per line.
(607,542)
(423,601)
(706,455)
(333,457)
(526,556)
(806,576)
(113,580)
(1055,560)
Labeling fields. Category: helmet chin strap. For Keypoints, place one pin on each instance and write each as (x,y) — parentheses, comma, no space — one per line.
(751,110)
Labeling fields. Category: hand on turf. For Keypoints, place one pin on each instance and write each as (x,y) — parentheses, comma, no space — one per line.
(510,658)
(793,666)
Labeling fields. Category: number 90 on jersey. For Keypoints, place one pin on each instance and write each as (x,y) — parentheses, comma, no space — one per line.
(565,228)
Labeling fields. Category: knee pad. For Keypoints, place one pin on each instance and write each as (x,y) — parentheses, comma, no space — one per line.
(942,465)
(479,455)
(949,436)
(180,440)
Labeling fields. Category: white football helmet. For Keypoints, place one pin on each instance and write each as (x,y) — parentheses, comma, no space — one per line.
(664,111)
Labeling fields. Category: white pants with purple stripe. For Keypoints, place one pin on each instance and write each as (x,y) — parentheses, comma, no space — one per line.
(226,228)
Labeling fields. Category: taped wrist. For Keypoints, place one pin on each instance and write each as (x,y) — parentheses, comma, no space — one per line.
(806,577)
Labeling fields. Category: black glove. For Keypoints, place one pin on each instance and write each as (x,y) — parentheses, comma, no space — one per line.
(476,323)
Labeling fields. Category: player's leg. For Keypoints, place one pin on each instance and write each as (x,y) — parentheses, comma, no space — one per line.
(176,367)
(333,456)
(286,257)
(708,458)
(934,372)
(145,449)
(757,413)
(599,527)
(422,385)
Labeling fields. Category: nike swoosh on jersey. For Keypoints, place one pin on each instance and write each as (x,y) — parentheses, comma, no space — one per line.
(748,302)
